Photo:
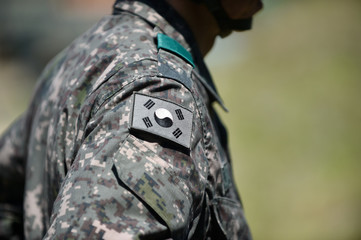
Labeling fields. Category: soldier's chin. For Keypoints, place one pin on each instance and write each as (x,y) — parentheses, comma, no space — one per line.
(225,33)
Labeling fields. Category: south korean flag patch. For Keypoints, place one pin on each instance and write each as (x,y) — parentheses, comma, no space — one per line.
(162,118)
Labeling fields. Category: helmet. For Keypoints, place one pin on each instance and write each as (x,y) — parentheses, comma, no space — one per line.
(225,23)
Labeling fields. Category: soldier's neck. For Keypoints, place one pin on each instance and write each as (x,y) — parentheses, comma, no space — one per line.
(201,22)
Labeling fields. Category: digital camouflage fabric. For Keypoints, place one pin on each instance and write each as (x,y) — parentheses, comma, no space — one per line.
(120,142)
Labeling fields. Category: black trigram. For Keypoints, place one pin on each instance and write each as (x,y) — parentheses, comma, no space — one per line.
(147,122)
(177,133)
(149,104)
(179,114)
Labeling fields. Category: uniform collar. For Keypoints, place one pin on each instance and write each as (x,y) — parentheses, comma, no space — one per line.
(161,15)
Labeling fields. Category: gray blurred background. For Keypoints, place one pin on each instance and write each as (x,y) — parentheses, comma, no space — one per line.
(292,85)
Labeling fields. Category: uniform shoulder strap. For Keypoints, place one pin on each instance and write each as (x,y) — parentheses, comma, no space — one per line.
(169,44)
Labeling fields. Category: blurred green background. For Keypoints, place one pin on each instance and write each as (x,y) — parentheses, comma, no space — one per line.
(292,85)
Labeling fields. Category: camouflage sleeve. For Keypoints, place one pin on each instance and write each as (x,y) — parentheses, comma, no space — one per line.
(12,164)
(126,184)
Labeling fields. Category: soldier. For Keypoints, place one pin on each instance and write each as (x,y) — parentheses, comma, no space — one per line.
(121,140)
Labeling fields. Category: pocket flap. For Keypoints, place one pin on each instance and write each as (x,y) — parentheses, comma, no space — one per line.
(156,182)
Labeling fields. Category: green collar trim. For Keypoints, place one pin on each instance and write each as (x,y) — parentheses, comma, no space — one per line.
(173,46)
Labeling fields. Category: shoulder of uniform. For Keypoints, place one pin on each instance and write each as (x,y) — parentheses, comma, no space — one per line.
(169,44)
(174,61)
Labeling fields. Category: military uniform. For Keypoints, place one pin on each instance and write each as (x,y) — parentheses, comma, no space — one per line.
(120,140)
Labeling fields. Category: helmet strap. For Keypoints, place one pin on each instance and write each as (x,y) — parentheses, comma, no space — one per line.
(225,23)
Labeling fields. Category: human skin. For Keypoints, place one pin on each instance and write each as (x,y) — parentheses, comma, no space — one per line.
(203,24)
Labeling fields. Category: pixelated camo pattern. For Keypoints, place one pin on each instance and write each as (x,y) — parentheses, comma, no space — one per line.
(71,169)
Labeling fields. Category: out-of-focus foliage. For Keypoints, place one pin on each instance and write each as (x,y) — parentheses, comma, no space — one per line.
(35,30)
(295,119)
(292,86)
(32,32)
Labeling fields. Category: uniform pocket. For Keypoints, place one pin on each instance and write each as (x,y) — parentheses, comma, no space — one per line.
(156,182)
(230,218)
